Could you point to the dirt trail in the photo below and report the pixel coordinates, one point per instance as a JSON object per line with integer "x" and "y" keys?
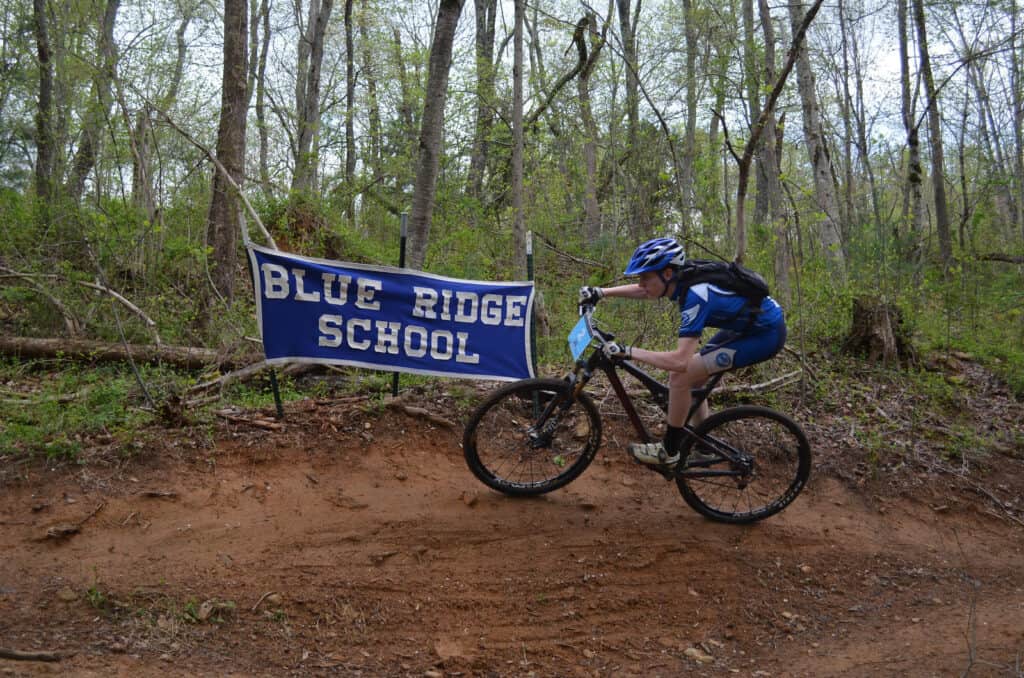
{"x": 370, "y": 549}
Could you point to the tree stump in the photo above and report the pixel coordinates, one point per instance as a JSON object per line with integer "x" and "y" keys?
{"x": 879, "y": 332}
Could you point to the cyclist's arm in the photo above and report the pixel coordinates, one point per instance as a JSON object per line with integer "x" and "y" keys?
{"x": 673, "y": 361}
{"x": 631, "y": 291}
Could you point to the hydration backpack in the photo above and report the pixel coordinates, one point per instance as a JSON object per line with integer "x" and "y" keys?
{"x": 728, "y": 275}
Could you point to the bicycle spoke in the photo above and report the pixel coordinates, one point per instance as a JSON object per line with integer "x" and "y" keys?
{"x": 512, "y": 452}
{"x": 771, "y": 463}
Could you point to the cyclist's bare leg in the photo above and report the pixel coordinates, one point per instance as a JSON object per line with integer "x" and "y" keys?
{"x": 686, "y": 369}
{"x": 701, "y": 414}
{"x": 679, "y": 396}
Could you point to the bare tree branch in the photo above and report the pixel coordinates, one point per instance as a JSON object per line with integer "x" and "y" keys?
{"x": 150, "y": 323}
{"x": 71, "y": 323}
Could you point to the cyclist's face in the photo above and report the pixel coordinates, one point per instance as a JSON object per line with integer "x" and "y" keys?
{"x": 652, "y": 283}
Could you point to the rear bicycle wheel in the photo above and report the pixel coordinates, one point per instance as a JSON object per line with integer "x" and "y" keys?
{"x": 532, "y": 437}
{"x": 771, "y": 461}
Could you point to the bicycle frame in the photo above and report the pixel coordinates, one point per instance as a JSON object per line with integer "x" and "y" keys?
{"x": 596, "y": 360}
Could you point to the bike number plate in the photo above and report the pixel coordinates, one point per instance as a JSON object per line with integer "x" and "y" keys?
{"x": 579, "y": 338}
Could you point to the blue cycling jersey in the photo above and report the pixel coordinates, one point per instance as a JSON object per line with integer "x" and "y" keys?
{"x": 707, "y": 305}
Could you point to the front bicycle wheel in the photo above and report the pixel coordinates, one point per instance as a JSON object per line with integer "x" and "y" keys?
{"x": 750, "y": 463}
{"x": 532, "y": 437}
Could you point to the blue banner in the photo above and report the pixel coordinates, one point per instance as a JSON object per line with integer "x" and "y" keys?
{"x": 395, "y": 319}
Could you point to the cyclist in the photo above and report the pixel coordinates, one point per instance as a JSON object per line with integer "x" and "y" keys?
{"x": 746, "y": 336}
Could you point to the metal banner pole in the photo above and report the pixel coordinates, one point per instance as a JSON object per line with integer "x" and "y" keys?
{"x": 533, "y": 324}
{"x": 401, "y": 264}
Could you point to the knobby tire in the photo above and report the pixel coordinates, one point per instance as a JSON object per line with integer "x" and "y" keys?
{"x": 531, "y": 437}
{"x": 779, "y": 465}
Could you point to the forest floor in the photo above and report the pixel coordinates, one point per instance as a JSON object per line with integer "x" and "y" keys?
{"x": 354, "y": 541}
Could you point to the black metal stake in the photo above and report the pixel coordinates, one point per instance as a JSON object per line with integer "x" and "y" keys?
{"x": 533, "y": 319}
{"x": 401, "y": 264}
{"x": 533, "y": 323}
{"x": 277, "y": 394}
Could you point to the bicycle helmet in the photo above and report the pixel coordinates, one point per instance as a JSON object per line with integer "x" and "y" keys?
{"x": 654, "y": 255}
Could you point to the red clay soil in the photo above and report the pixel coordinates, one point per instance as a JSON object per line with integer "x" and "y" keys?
{"x": 357, "y": 543}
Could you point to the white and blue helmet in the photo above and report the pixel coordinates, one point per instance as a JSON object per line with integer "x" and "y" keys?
{"x": 655, "y": 255}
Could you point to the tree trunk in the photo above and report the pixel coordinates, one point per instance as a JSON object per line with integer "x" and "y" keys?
{"x": 690, "y": 137}
{"x": 518, "y": 220}
{"x": 829, "y": 230}
{"x": 142, "y": 181}
{"x": 307, "y": 103}
{"x": 551, "y": 93}
{"x": 302, "y": 51}
{"x": 719, "y": 164}
{"x": 261, "y": 100}
{"x": 860, "y": 118}
{"x": 538, "y": 74}
{"x": 1017, "y": 103}
{"x": 627, "y": 24}
{"x": 408, "y": 136}
{"x": 878, "y": 331}
{"x": 142, "y": 176}
{"x": 753, "y": 82}
{"x": 942, "y": 224}
{"x": 486, "y": 11}
{"x": 769, "y": 163}
{"x": 637, "y": 201}
{"x": 223, "y": 221}
{"x": 757, "y": 129}
{"x": 45, "y": 141}
{"x": 1005, "y": 198}
{"x": 432, "y": 131}
{"x": 965, "y": 197}
{"x": 374, "y": 157}
{"x": 591, "y": 206}
{"x": 913, "y": 204}
{"x": 846, "y": 107}
{"x": 350, "y": 117}
{"x": 95, "y": 118}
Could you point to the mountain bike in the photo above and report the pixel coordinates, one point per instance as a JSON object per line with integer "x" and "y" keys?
{"x": 537, "y": 435}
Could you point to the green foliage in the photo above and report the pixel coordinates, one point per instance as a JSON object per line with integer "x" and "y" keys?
{"x": 169, "y": 612}
{"x": 96, "y": 597}
{"x": 17, "y": 216}
{"x": 63, "y": 407}
{"x": 259, "y": 393}
{"x": 190, "y": 611}
{"x": 464, "y": 244}
{"x": 978, "y": 310}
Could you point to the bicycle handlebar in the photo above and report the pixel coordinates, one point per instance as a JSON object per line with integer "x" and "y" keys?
{"x": 587, "y": 313}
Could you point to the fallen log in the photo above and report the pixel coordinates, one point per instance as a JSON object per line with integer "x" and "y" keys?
{"x": 763, "y": 387}
{"x": 419, "y": 413}
{"x": 999, "y": 256}
{"x": 244, "y": 374}
{"x": 258, "y": 422}
{"x": 188, "y": 357}
{"x": 19, "y": 655}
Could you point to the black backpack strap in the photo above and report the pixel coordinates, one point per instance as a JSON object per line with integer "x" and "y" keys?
{"x": 753, "y": 311}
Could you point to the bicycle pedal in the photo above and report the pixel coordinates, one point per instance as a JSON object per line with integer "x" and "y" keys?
{"x": 665, "y": 471}
{"x": 700, "y": 459}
